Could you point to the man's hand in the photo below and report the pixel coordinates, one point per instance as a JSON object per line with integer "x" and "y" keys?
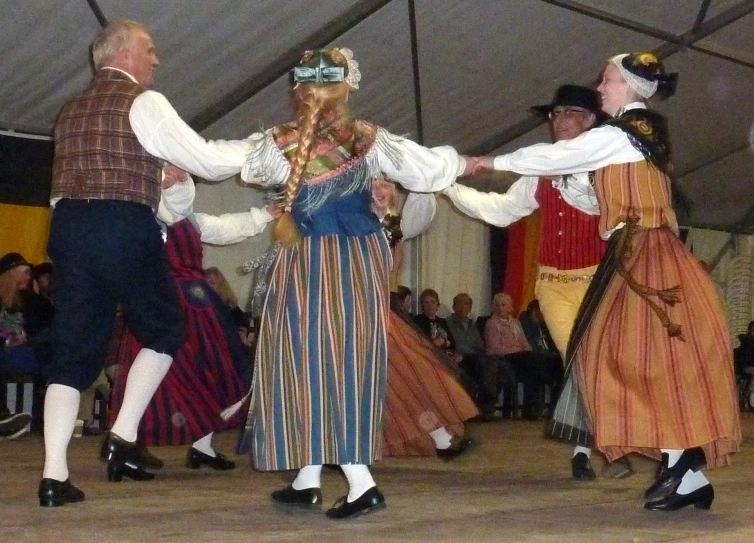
{"x": 172, "y": 175}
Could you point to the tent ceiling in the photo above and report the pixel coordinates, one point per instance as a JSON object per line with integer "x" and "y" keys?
{"x": 481, "y": 64}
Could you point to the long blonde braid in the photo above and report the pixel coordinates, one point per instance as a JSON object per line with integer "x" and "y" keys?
{"x": 311, "y": 99}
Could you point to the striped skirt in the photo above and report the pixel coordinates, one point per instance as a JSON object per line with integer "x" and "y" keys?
{"x": 210, "y": 372}
{"x": 640, "y": 389}
{"x": 322, "y": 354}
{"x": 424, "y": 393}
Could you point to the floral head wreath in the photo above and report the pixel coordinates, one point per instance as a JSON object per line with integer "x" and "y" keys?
{"x": 322, "y": 66}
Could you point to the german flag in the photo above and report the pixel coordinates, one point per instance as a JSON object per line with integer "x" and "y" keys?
{"x": 513, "y": 262}
{"x": 25, "y": 181}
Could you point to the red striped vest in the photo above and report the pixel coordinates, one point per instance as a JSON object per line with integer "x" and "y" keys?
{"x": 569, "y": 238}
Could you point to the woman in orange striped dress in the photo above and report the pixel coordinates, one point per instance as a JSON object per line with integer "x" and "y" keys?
{"x": 425, "y": 402}
{"x": 650, "y": 363}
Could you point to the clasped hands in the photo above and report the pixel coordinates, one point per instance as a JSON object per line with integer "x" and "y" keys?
{"x": 476, "y": 164}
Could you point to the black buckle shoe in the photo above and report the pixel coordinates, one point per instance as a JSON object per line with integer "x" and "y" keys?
{"x": 118, "y": 449}
{"x": 669, "y": 478}
{"x": 307, "y": 498}
{"x": 195, "y": 459}
{"x": 701, "y": 498}
{"x": 581, "y": 468}
{"x": 116, "y": 470}
{"x": 54, "y": 493}
{"x": 370, "y": 501}
{"x": 458, "y": 446}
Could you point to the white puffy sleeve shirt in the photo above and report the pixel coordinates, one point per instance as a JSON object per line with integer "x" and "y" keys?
{"x": 177, "y": 202}
{"x": 417, "y": 168}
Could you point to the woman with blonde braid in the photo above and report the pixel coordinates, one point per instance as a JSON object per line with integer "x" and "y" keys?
{"x": 322, "y": 351}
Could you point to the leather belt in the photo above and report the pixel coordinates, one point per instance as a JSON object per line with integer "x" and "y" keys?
{"x": 565, "y": 278}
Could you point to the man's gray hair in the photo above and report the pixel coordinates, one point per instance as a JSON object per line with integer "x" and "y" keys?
{"x": 112, "y": 38}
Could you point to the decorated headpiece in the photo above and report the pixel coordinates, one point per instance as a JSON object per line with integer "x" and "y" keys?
{"x": 326, "y": 66}
{"x": 645, "y": 74}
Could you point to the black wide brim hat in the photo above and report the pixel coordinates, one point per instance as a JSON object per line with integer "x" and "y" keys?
{"x": 574, "y": 96}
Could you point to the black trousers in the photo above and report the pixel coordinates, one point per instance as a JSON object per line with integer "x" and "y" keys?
{"x": 106, "y": 253}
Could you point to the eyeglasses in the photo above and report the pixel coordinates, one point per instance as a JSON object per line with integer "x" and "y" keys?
{"x": 567, "y": 112}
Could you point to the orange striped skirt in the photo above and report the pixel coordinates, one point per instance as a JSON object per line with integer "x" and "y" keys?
{"x": 423, "y": 393}
{"x": 643, "y": 390}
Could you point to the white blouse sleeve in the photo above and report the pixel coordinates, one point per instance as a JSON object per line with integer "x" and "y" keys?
{"x": 417, "y": 168}
{"x": 591, "y": 150}
{"x": 163, "y": 133}
{"x": 494, "y": 208}
{"x": 265, "y": 164}
{"x": 417, "y": 214}
{"x": 177, "y": 202}
{"x": 231, "y": 227}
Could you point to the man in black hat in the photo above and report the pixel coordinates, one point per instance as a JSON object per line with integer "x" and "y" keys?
{"x": 570, "y": 247}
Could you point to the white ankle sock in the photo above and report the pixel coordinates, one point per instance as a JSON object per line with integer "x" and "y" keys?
{"x": 692, "y": 481}
{"x": 673, "y": 455}
{"x": 205, "y": 445}
{"x": 146, "y": 374}
{"x": 579, "y": 449}
{"x": 60, "y": 411}
{"x": 359, "y": 480}
{"x": 441, "y": 437}
{"x": 308, "y": 477}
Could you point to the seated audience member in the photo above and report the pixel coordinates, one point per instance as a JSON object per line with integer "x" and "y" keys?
{"x": 220, "y": 285}
{"x": 506, "y": 342}
{"x": 743, "y": 356}
{"x": 538, "y": 336}
{"x": 436, "y": 328}
{"x": 470, "y": 346}
{"x": 16, "y": 355}
{"x": 405, "y": 298}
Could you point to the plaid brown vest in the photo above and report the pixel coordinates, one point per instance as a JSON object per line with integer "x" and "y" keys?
{"x": 97, "y": 154}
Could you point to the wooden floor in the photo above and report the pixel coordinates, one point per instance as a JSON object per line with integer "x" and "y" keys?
{"x": 513, "y": 486}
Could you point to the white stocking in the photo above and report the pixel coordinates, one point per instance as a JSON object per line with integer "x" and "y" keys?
{"x": 359, "y": 480}
{"x": 61, "y": 408}
{"x": 308, "y": 477}
{"x": 146, "y": 374}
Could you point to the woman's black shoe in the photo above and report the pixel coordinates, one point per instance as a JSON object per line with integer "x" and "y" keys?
{"x": 54, "y": 493}
{"x": 458, "y": 446}
{"x": 701, "y": 498}
{"x": 309, "y": 497}
{"x": 116, "y": 470}
{"x": 669, "y": 478}
{"x": 370, "y": 501}
{"x": 581, "y": 468}
{"x": 116, "y": 448}
{"x": 195, "y": 459}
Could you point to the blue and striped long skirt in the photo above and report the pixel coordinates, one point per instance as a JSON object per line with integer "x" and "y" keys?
{"x": 322, "y": 354}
